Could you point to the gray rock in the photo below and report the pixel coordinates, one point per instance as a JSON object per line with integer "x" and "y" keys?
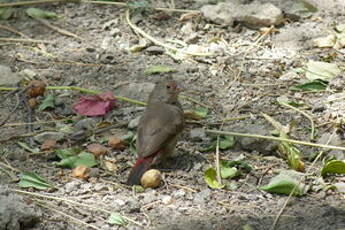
{"x": 155, "y": 50}
{"x": 138, "y": 91}
{"x": 255, "y": 14}
{"x": 15, "y": 214}
{"x": 57, "y": 136}
{"x": 197, "y": 134}
{"x": 134, "y": 123}
{"x": 28, "y": 73}
{"x": 8, "y": 78}
{"x": 72, "y": 186}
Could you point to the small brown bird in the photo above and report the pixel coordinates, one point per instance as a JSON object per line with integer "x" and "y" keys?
{"x": 158, "y": 129}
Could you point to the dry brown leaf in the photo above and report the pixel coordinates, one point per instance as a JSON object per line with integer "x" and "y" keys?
{"x": 97, "y": 149}
{"x": 116, "y": 143}
{"x": 110, "y": 166}
{"x": 81, "y": 172}
{"x": 48, "y": 145}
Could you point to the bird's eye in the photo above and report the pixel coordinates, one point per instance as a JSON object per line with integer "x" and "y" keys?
{"x": 168, "y": 87}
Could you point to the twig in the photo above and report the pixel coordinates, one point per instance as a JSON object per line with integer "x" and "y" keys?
{"x": 155, "y": 41}
{"x": 219, "y": 178}
{"x": 154, "y": 8}
{"x": 312, "y": 126}
{"x": 14, "y": 31}
{"x": 73, "y": 202}
{"x": 33, "y": 123}
{"x": 25, "y": 40}
{"x": 275, "y": 139}
{"x": 25, "y": 3}
{"x": 195, "y": 101}
{"x": 57, "y": 29}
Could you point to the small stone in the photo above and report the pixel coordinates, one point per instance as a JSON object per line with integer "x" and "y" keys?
{"x": 28, "y": 73}
{"x": 99, "y": 186}
{"x": 167, "y": 200}
{"x": 197, "y": 134}
{"x": 56, "y": 136}
{"x": 179, "y": 193}
{"x": 134, "y": 123}
{"x": 151, "y": 178}
{"x": 155, "y": 50}
{"x": 71, "y": 186}
{"x": 8, "y": 78}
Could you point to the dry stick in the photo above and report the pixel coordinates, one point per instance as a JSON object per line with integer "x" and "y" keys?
{"x": 154, "y": 8}
{"x": 73, "y": 202}
{"x": 55, "y": 209}
{"x": 300, "y": 181}
{"x": 312, "y": 126}
{"x": 155, "y": 41}
{"x": 24, "y": 40}
{"x": 14, "y": 31}
{"x": 34, "y": 123}
{"x": 33, "y": 2}
{"x": 219, "y": 178}
{"x": 275, "y": 139}
{"x": 83, "y": 90}
{"x": 14, "y": 109}
{"x": 57, "y": 29}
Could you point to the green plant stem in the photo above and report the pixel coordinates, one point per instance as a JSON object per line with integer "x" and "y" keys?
{"x": 275, "y": 139}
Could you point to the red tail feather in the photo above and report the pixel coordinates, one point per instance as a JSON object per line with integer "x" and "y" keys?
{"x": 140, "y": 167}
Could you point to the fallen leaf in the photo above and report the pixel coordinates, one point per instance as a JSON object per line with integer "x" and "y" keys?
{"x": 210, "y": 177}
{"x": 48, "y": 145}
{"x": 47, "y": 103}
{"x": 97, "y": 149}
{"x": 31, "y": 179}
{"x": 116, "y": 218}
{"x": 83, "y": 158}
{"x": 116, "y": 143}
{"x": 81, "y": 172}
{"x": 38, "y": 13}
{"x": 95, "y": 105}
{"x": 333, "y": 167}
{"x": 110, "y": 166}
{"x": 321, "y": 70}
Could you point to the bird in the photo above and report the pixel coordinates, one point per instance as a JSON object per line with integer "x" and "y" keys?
{"x": 158, "y": 129}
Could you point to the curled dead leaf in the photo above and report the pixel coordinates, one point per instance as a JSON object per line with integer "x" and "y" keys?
{"x": 32, "y": 102}
{"x": 110, "y": 166}
{"x": 36, "y": 88}
{"x": 81, "y": 172}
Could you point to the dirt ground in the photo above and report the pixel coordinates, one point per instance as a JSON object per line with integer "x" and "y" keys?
{"x": 243, "y": 79}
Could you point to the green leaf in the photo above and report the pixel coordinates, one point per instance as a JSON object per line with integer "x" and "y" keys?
{"x": 116, "y": 218}
{"x": 30, "y": 179}
{"x": 285, "y": 182}
{"x": 158, "y": 69}
{"x": 292, "y": 155}
{"x": 226, "y": 171}
{"x": 48, "y": 102}
{"x": 316, "y": 85}
{"x": 321, "y": 70}
{"x": 83, "y": 158}
{"x": 38, "y": 13}
{"x": 226, "y": 142}
{"x": 333, "y": 167}
{"x": 66, "y": 153}
{"x": 201, "y": 112}
{"x": 210, "y": 178}
{"x": 28, "y": 148}
{"x": 6, "y": 13}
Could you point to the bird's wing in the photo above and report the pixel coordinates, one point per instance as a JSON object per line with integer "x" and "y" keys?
{"x": 159, "y": 125}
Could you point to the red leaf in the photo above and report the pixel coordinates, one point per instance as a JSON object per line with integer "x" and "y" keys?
{"x": 96, "y": 105}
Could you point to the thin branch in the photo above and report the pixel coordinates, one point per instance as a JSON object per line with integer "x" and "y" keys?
{"x": 276, "y": 139}
{"x": 14, "y": 31}
{"x": 26, "y": 3}
{"x": 24, "y": 40}
{"x": 59, "y": 30}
